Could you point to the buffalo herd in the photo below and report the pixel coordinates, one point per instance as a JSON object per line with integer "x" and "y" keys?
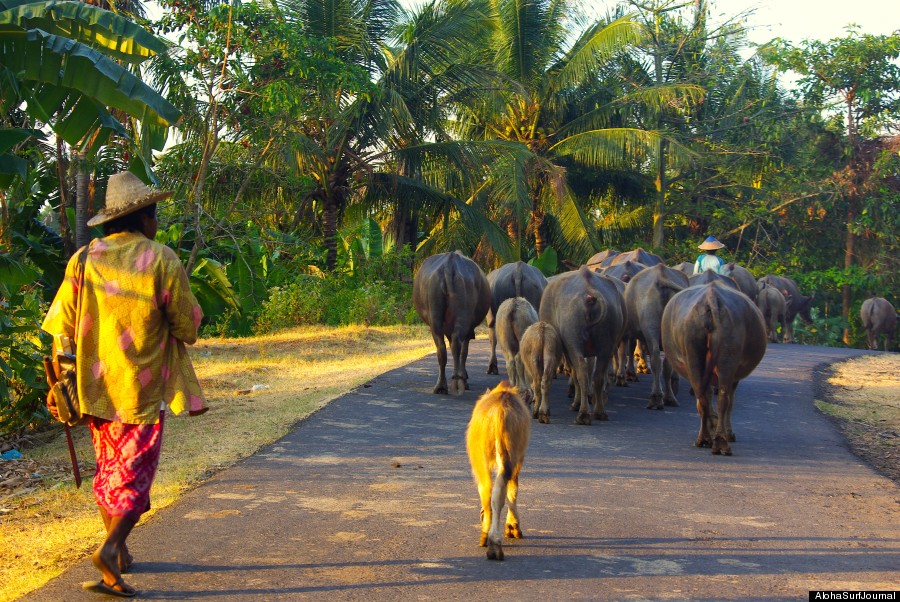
{"x": 590, "y": 324}
{"x": 710, "y": 329}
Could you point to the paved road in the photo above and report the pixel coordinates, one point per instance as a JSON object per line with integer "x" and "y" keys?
{"x": 371, "y": 499}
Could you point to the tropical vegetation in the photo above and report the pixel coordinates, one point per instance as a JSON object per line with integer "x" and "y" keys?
{"x": 319, "y": 150}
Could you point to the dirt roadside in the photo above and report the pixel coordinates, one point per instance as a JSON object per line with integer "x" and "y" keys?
{"x": 862, "y": 396}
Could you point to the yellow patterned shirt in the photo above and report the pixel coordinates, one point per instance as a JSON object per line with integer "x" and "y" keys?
{"x": 137, "y": 314}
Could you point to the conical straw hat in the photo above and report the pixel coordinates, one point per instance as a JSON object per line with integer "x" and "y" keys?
{"x": 125, "y": 194}
{"x": 710, "y": 243}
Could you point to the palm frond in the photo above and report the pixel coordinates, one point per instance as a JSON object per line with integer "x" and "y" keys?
{"x": 598, "y": 44}
{"x": 578, "y": 236}
{"x": 617, "y": 147}
{"x": 529, "y": 34}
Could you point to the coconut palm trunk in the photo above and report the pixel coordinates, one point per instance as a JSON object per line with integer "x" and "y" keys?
{"x": 329, "y": 231}
{"x": 82, "y": 204}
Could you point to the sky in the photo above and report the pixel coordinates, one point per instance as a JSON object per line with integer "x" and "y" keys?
{"x": 796, "y": 20}
{"x": 793, "y": 20}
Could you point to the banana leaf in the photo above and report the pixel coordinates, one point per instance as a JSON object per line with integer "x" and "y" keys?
{"x": 116, "y": 35}
{"x": 63, "y": 62}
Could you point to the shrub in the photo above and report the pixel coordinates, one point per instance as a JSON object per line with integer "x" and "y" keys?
{"x": 376, "y": 295}
{"x": 293, "y": 304}
{"x": 23, "y": 385}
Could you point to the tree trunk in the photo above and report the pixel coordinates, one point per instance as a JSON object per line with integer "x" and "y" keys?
{"x": 659, "y": 211}
{"x": 209, "y": 149}
{"x": 406, "y": 220}
{"x": 849, "y": 253}
{"x": 329, "y": 230}
{"x": 852, "y": 210}
{"x": 403, "y": 227}
{"x": 82, "y": 179}
{"x": 62, "y": 168}
{"x": 5, "y": 246}
{"x": 540, "y": 243}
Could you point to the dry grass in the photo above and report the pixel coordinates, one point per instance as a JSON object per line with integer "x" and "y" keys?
{"x": 295, "y": 373}
{"x": 864, "y": 399}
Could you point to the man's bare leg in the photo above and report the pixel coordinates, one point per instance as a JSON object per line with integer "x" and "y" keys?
{"x": 125, "y": 558}
{"x": 107, "y": 556}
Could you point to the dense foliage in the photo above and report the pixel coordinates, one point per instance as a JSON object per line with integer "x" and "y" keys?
{"x": 321, "y": 149}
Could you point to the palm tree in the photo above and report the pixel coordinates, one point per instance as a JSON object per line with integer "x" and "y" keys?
{"x": 553, "y": 104}
{"x": 375, "y": 136}
{"x": 426, "y": 178}
{"x": 679, "y": 49}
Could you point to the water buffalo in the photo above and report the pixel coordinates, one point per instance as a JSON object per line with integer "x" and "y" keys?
{"x": 639, "y": 255}
{"x": 745, "y": 281}
{"x": 685, "y": 267}
{"x": 714, "y": 336}
{"x": 773, "y": 305}
{"x": 597, "y": 260}
{"x": 797, "y": 304}
{"x": 510, "y": 280}
{"x": 586, "y": 310}
{"x": 626, "y": 353}
{"x": 711, "y": 276}
{"x": 452, "y": 296}
{"x": 645, "y": 298}
{"x": 513, "y": 319}
{"x": 879, "y": 317}
{"x": 624, "y": 271}
{"x": 541, "y": 352}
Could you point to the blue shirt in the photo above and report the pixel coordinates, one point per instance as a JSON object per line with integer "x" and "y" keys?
{"x": 707, "y": 261}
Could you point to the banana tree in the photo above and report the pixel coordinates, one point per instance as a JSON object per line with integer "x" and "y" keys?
{"x": 69, "y": 65}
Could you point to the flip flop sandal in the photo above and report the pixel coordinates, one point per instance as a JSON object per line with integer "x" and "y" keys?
{"x": 100, "y": 587}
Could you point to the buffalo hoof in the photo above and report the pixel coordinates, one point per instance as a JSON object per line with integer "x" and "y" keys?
{"x": 495, "y": 551}
{"x": 631, "y": 377}
{"x": 671, "y": 402}
{"x": 654, "y": 405}
{"x": 702, "y": 443}
{"x": 492, "y": 369}
{"x": 440, "y": 389}
{"x": 601, "y": 416}
{"x": 621, "y": 382}
{"x": 583, "y": 418}
{"x": 721, "y": 447}
{"x": 544, "y": 418}
{"x": 513, "y": 531}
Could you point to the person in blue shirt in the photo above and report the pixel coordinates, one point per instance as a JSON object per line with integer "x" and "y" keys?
{"x": 709, "y": 260}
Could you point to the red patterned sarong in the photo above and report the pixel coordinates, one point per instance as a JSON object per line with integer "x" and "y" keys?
{"x": 127, "y": 457}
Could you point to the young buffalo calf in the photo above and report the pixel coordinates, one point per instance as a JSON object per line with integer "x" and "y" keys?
{"x": 496, "y": 440}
